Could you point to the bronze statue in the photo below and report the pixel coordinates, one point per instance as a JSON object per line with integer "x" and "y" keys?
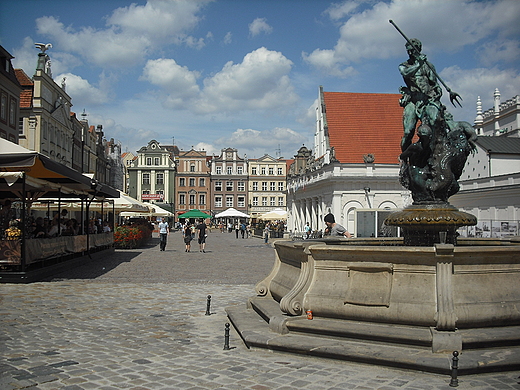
{"x": 431, "y": 166}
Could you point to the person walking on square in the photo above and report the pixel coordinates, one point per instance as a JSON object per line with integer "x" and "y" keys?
{"x": 335, "y": 229}
{"x": 266, "y": 234}
{"x": 164, "y": 231}
{"x": 307, "y": 231}
{"x": 237, "y": 228}
{"x": 243, "y": 229}
{"x": 187, "y": 236}
{"x": 202, "y": 234}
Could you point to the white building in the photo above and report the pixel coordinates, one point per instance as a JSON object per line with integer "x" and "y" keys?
{"x": 354, "y": 171}
{"x": 490, "y": 182}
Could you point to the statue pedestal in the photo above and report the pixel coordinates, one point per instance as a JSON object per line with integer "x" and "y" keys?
{"x": 430, "y": 223}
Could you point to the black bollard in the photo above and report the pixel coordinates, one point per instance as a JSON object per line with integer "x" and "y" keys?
{"x": 454, "y": 367}
{"x": 208, "y": 305}
{"x": 226, "y": 337}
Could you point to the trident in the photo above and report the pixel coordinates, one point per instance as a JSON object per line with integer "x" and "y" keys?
{"x": 454, "y": 96}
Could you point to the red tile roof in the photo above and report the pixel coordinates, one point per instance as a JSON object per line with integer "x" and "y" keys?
{"x": 364, "y": 123}
{"x": 27, "y": 84}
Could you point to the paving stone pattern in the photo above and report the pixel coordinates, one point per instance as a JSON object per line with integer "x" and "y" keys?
{"x": 137, "y": 320}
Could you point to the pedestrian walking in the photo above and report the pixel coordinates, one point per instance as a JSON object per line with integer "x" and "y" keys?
{"x": 186, "y": 234}
{"x": 164, "y": 231}
{"x": 266, "y": 234}
{"x": 202, "y": 234}
{"x": 237, "y": 228}
{"x": 307, "y": 231}
{"x": 243, "y": 229}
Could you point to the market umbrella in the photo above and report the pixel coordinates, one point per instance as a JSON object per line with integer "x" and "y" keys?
{"x": 231, "y": 212}
{"x": 195, "y": 213}
{"x": 274, "y": 214}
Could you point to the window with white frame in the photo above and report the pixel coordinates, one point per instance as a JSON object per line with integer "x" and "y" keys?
{"x": 229, "y": 186}
{"x": 262, "y": 170}
{"x": 182, "y": 182}
{"x": 156, "y": 161}
{"x": 280, "y": 171}
{"x": 229, "y": 170}
{"x": 240, "y": 170}
{"x": 255, "y": 200}
{"x": 229, "y": 201}
{"x": 264, "y": 200}
{"x": 272, "y": 186}
{"x": 218, "y": 186}
{"x": 271, "y": 171}
{"x": 218, "y": 170}
{"x": 280, "y": 186}
{"x": 192, "y": 182}
{"x": 192, "y": 200}
{"x": 182, "y": 199}
{"x": 202, "y": 198}
{"x": 218, "y": 201}
{"x": 264, "y": 186}
{"x": 146, "y": 178}
{"x": 192, "y": 168}
{"x": 272, "y": 201}
{"x": 241, "y": 186}
{"x": 159, "y": 178}
{"x": 253, "y": 171}
{"x": 202, "y": 182}
{"x": 241, "y": 201}
{"x": 148, "y": 161}
{"x": 255, "y": 186}
{"x": 280, "y": 201}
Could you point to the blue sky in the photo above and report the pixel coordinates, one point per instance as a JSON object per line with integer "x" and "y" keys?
{"x": 246, "y": 73}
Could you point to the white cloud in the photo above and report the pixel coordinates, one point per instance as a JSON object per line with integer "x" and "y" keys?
{"x": 131, "y": 33}
{"x": 258, "y": 26}
{"x": 506, "y": 51}
{"x": 260, "y": 81}
{"x": 339, "y": 10}
{"x": 82, "y": 90}
{"x": 228, "y": 38}
{"x": 442, "y": 25}
{"x": 479, "y": 82}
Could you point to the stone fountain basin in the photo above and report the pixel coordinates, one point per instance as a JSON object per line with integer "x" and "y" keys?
{"x": 472, "y": 285}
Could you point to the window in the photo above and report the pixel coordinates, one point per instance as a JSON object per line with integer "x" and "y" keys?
{"x": 192, "y": 182}
{"x": 219, "y": 170}
{"x": 192, "y": 199}
{"x": 202, "y": 182}
{"x": 263, "y": 170}
{"x": 264, "y": 186}
{"x": 271, "y": 171}
{"x": 280, "y": 171}
{"x": 156, "y": 161}
{"x": 160, "y": 192}
{"x": 182, "y": 182}
{"x": 229, "y": 170}
{"x": 159, "y": 178}
{"x": 255, "y": 200}
{"x": 229, "y": 186}
{"x": 202, "y": 198}
{"x": 241, "y": 186}
{"x": 272, "y": 186}
{"x": 218, "y": 201}
{"x": 272, "y": 201}
{"x": 253, "y": 171}
{"x": 182, "y": 199}
{"x": 255, "y": 186}
{"x": 146, "y": 178}
{"x": 192, "y": 168}
{"x": 12, "y": 112}
{"x": 3, "y": 107}
{"x": 264, "y": 200}
{"x": 148, "y": 161}
{"x": 240, "y": 170}
{"x": 218, "y": 186}
{"x": 280, "y": 201}
{"x": 229, "y": 201}
{"x": 241, "y": 201}
{"x": 280, "y": 186}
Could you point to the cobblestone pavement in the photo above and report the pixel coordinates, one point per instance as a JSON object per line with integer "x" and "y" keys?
{"x": 137, "y": 320}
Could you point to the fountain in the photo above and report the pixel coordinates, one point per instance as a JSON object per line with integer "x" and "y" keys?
{"x": 409, "y": 301}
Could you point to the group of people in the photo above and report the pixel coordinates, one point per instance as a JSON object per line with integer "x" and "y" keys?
{"x": 189, "y": 232}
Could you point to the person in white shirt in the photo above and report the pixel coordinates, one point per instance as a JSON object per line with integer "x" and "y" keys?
{"x": 163, "y": 233}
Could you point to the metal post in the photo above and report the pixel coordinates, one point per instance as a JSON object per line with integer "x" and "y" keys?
{"x": 226, "y": 337}
{"x": 208, "y": 305}
{"x": 454, "y": 367}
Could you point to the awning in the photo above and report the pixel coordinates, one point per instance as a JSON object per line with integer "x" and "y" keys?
{"x": 232, "y": 213}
